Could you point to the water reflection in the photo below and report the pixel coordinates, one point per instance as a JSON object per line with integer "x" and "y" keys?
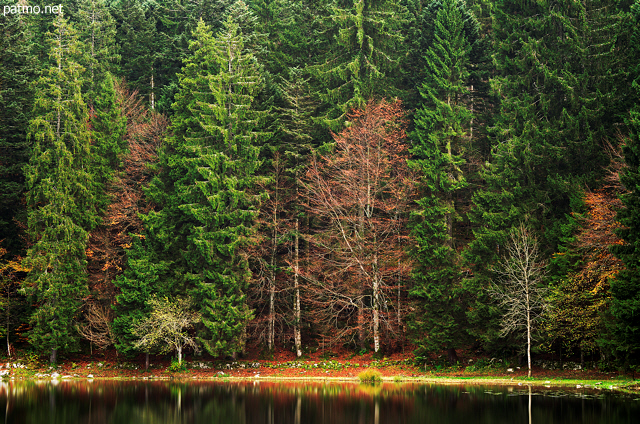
{"x": 175, "y": 402}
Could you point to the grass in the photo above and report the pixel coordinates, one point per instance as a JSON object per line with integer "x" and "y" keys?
{"x": 370, "y": 376}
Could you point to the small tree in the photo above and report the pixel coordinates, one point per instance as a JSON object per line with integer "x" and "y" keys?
{"x": 519, "y": 292}
{"x": 166, "y": 327}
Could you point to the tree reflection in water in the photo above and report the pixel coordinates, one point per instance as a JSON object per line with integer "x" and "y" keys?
{"x": 176, "y": 402}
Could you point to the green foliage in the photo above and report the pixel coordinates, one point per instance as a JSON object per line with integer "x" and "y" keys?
{"x": 365, "y": 43}
{"x": 624, "y": 326}
{"x": 18, "y": 70}
{"x": 61, "y": 196}
{"x": 552, "y": 120}
{"x": 439, "y": 144}
{"x": 177, "y": 366}
{"x": 167, "y": 327}
{"x": 370, "y": 376}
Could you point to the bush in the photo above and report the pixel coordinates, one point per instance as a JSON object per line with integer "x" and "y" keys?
{"x": 370, "y": 376}
{"x": 177, "y": 366}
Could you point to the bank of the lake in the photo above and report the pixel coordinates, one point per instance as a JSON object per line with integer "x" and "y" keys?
{"x": 311, "y": 371}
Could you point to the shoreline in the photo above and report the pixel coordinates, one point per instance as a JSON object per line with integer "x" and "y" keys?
{"x": 617, "y": 384}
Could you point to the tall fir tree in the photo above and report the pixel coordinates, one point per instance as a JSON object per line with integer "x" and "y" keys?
{"x": 61, "y": 197}
{"x": 97, "y": 31}
{"x": 623, "y": 338}
{"x": 549, "y": 134}
{"x": 205, "y": 192}
{"x": 363, "y": 50}
{"x": 136, "y": 39}
{"x": 18, "y": 70}
{"x": 440, "y": 141}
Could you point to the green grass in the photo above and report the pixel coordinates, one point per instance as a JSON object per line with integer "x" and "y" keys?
{"x": 370, "y": 376}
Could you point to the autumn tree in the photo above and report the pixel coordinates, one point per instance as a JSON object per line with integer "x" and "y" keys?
{"x": 581, "y": 299}
{"x": 359, "y": 195}
{"x": 519, "y": 291}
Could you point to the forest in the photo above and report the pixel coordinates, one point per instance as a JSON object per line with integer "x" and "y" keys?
{"x": 202, "y": 176}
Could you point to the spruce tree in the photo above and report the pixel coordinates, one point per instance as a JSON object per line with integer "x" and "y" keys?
{"x": 136, "y": 38}
{"x": 439, "y": 143}
{"x": 18, "y": 70}
{"x": 108, "y": 130}
{"x": 625, "y": 288}
{"x": 61, "y": 197}
{"x": 205, "y": 192}
{"x": 551, "y": 73}
{"x": 363, "y": 51}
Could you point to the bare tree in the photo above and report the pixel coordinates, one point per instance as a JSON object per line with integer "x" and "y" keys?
{"x": 519, "y": 291}
{"x": 167, "y": 327}
{"x": 358, "y": 195}
{"x": 97, "y": 327}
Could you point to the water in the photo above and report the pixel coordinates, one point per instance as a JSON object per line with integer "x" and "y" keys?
{"x": 157, "y": 402}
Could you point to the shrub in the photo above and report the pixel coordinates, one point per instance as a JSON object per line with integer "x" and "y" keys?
{"x": 370, "y": 376}
{"x": 177, "y": 366}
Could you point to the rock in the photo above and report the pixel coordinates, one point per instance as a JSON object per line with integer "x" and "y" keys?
{"x": 90, "y": 376}
{"x": 509, "y": 369}
{"x": 55, "y": 375}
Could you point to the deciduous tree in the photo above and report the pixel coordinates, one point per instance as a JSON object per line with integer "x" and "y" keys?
{"x": 359, "y": 194}
{"x": 520, "y": 291}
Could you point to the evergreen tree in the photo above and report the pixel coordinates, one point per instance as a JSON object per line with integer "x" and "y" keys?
{"x": 136, "y": 38}
{"x": 18, "y": 70}
{"x": 205, "y": 191}
{"x": 552, "y": 70}
{"x": 60, "y": 198}
{"x": 364, "y": 49}
{"x": 439, "y": 144}
{"x": 108, "y": 130}
{"x": 98, "y": 34}
{"x": 625, "y": 288}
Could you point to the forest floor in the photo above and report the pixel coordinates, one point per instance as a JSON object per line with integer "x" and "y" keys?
{"x": 323, "y": 366}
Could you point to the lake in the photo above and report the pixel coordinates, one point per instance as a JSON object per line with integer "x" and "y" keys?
{"x": 191, "y": 401}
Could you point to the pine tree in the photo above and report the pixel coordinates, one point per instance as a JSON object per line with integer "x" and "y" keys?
{"x": 18, "y": 70}
{"x": 552, "y": 70}
{"x": 439, "y": 144}
{"x": 205, "y": 192}
{"x": 364, "y": 49}
{"x": 61, "y": 197}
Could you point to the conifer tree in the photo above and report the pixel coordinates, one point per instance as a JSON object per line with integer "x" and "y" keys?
{"x": 552, "y": 70}
{"x": 108, "y": 130}
{"x": 98, "y": 34}
{"x": 205, "y": 191}
{"x": 61, "y": 197}
{"x": 439, "y": 144}
{"x": 137, "y": 43}
{"x": 364, "y": 49}
{"x": 18, "y": 70}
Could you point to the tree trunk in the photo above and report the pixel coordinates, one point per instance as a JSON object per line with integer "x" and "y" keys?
{"x": 452, "y": 356}
{"x": 54, "y": 356}
{"x": 179, "y": 355}
{"x": 376, "y": 315}
{"x": 296, "y": 319}
{"x": 528, "y": 335}
{"x": 361, "y": 336}
{"x": 146, "y": 361}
